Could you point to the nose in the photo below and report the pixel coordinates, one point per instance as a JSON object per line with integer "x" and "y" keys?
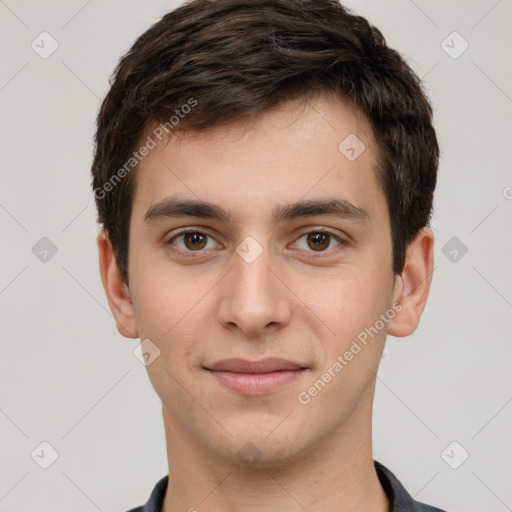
{"x": 253, "y": 298}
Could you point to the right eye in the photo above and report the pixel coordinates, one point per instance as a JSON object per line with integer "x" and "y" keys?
{"x": 191, "y": 240}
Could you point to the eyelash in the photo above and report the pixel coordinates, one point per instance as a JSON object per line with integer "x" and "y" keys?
{"x": 312, "y": 254}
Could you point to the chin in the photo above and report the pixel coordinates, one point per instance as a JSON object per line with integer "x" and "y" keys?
{"x": 254, "y": 447}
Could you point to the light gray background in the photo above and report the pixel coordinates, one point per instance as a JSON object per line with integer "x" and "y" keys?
{"x": 68, "y": 378}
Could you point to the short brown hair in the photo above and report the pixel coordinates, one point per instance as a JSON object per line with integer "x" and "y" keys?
{"x": 237, "y": 58}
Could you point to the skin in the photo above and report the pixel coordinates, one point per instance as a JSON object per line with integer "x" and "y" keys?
{"x": 198, "y": 310}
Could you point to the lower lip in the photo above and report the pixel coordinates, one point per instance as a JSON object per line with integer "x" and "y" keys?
{"x": 256, "y": 383}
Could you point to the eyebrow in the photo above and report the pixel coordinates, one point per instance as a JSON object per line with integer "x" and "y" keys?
{"x": 176, "y": 208}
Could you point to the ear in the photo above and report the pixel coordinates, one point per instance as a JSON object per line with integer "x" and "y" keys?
{"x": 413, "y": 285}
{"x": 118, "y": 294}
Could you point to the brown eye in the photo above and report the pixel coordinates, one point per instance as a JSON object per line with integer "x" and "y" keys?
{"x": 321, "y": 241}
{"x": 192, "y": 241}
{"x": 195, "y": 241}
{"x": 318, "y": 241}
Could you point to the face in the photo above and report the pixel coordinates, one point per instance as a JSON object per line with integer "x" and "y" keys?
{"x": 256, "y": 298}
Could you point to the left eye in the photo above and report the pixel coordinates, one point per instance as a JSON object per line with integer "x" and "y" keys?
{"x": 318, "y": 241}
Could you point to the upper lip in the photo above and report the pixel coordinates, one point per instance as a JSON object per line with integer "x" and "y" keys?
{"x": 268, "y": 365}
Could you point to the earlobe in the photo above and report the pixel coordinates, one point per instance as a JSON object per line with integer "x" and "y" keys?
{"x": 413, "y": 285}
{"x": 116, "y": 290}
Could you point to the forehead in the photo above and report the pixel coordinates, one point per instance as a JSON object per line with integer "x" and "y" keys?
{"x": 303, "y": 149}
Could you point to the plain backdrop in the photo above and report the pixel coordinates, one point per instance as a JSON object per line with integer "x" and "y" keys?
{"x": 68, "y": 378}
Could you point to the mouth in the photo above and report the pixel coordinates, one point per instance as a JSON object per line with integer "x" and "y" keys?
{"x": 254, "y": 378}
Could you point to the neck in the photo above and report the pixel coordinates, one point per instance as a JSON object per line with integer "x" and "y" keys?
{"x": 337, "y": 474}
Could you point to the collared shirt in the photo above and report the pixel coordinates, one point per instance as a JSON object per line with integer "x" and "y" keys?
{"x": 399, "y": 499}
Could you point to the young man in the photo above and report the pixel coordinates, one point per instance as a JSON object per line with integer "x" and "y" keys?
{"x": 264, "y": 174}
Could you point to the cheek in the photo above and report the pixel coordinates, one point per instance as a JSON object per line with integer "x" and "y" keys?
{"x": 174, "y": 309}
{"x": 172, "y": 320}
{"x": 351, "y": 305}
{"x": 347, "y": 299}
{"x": 350, "y": 355}
{"x": 168, "y": 298}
